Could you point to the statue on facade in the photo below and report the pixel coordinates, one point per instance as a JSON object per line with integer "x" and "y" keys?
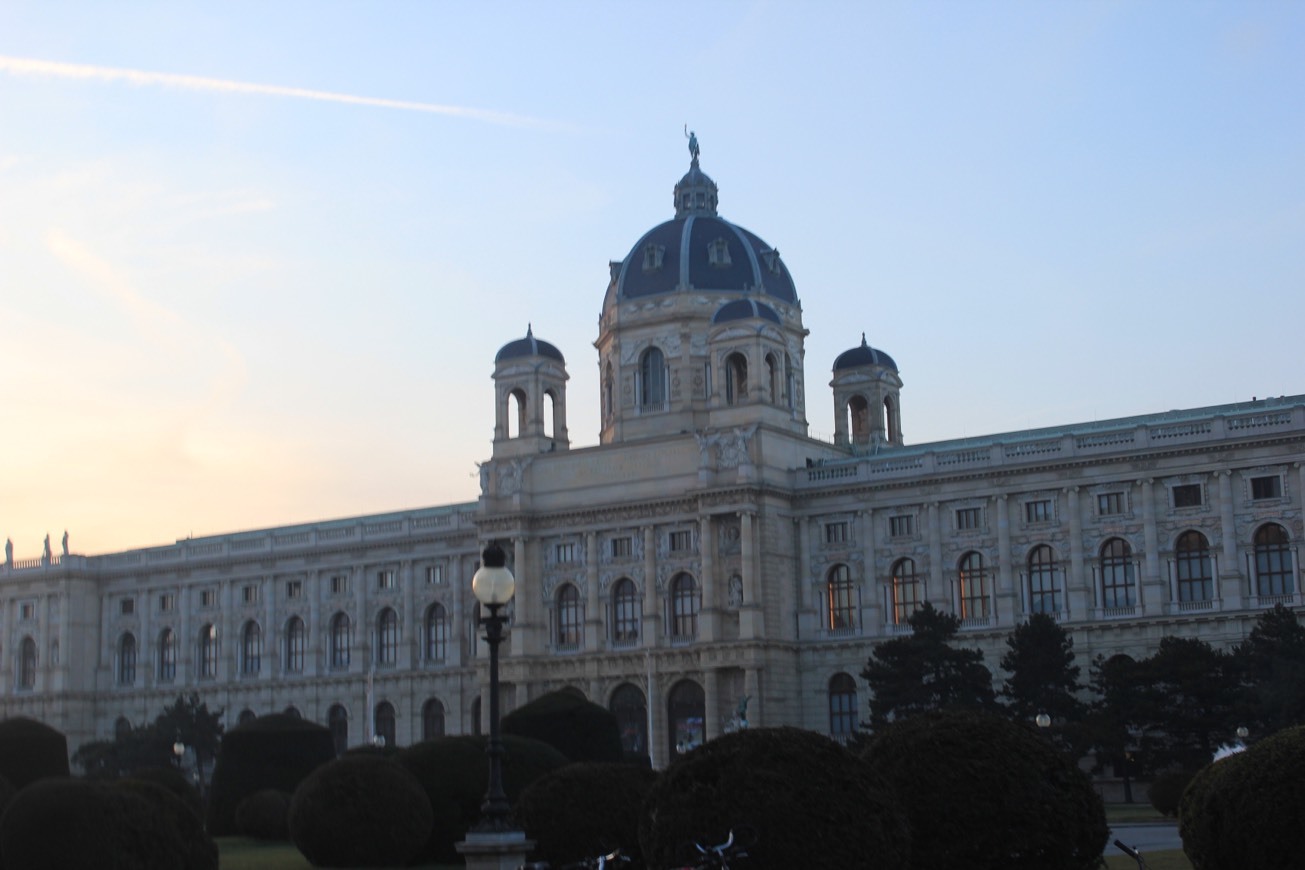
{"x": 65, "y": 542}
{"x": 693, "y": 142}
{"x": 9, "y": 552}
{"x": 736, "y": 592}
{"x": 47, "y": 554}
{"x": 741, "y": 712}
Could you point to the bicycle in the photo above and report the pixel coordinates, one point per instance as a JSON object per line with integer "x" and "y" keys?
{"x": 1132, "y": 852}
{"x": 603, "y": 862}
{"x": 718, "y": 857}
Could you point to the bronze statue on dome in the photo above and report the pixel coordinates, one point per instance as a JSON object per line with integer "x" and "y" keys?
{"x": 693, "y": 142}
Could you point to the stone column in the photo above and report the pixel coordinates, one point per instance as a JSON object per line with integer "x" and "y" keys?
{"x": 752, "y": 688}
{"x": 751, "y": 614}
{"x": 808, "y": 607}
{"x": 1077, "y": 595}
{"x": 1152, "y": 592}
{"x": 871, "y": 615}
{"x": 938, "y": 590}
{"x": 1231, "y": 585}
{"x": 711, "y": 708}
{"x": 711, "y": 600}
{"x": 652, "y": 610}
{"x": 409, "y": 620}
{"x": 593, "y": 607}
{"x": 526, "y": 605}
{"x": 1006, "y": 590}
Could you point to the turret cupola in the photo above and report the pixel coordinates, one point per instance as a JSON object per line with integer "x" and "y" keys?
{"x": 867, "y": 398}
{"x": 529, "y": 398}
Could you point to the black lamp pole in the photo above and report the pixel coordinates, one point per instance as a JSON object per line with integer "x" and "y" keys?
{"x": 493, "y": 587}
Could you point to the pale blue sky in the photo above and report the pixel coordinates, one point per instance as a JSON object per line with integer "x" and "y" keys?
{"x": 227, "y": 306}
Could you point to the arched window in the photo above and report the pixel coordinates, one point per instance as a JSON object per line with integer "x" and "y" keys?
{"x": 246, "y": 716}
{"x": 127, "y": 659}
{"x": 1116, "y": 574}
{"x": 167, "y": 656}
{"x": 1192, "y": 567}
{"x": 685, "y": 602}
{"x": 840, "y": 600}
{"x": 340, "y": 646}
{"x": 385, "y": 724}
{"x": 516, "y": 417}
{"x": 337, "y": 719}
{"x": 121, "y": 729}
{"x": 27, "y": 664}
{"x": 1044, "y": 596}
{"x": 905, "y": 591}
{"x": 626, "y": 612}
{"x": 652, "y": 380}
{"x": 772, "y": 378}
{"x": 609, "y": 393}
{"x": 890, "y": 420}
{"x": 858, "y": 419}
{"x": 432, "y": 719}
{"x": 631, "y": 712}
{"x": 567, "y": 620}
{"x": 842, "y": 707}
{"x": 1273, "y": 567}
{"x": 790, "y": 381}
{"x": 437, "y": 633}
{"x": 736, "y": 378}
{"x": 294, "y": 645}
{"x": 972, "y": 582}
{"x": 293, "y": 712}
{"x": 251, "y": 649}
{"x": 686, "y": 707}
{"x": 387, "y": 637}
{"x": 208, "y": 651}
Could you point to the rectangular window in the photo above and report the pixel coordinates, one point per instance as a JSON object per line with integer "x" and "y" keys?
{"x": 835, "y": 533}
{"x": 622, "y": 548}
{"x": 1188, "y": 495}
{"x": 565, "y": 553}
{"x": 294, "y": 589}
{"x": 1110, "y": 504}
{"x": 901, "y": 526}
{"x": 385, "y": 579}
{"x": 1037, "y": 511}
{"x": 207, "y": 598}
{"x": 339, "y": 584}
{"x": 1266, "y": 487}
{"x": 249, "y": 594}
{"x": 681, "y": 542}
{"x": 167, "y": 602}
{"x": 128, "y": 606}
{"x": 969, "y": 519}
{"x": 27, "y": 611}
{"x": 435, "y": 575}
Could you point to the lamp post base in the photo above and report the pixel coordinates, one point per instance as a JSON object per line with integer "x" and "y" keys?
{"x": 500, "y": 850}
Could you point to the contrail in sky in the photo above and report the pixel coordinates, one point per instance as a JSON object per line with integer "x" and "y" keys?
{"x": 28, "y": 66}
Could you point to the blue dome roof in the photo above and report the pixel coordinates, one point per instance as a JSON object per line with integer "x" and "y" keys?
{"x": 742, "y": 309}
{"x": 865, "y": 355}
{"x": 701, "y": 251}
{"x": 528, "y": 346}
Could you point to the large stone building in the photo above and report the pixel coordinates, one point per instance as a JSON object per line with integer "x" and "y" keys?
{"x": 706, "y": 560}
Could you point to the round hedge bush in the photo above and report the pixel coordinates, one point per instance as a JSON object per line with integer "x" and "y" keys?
{"x": 265, "y": 815}
{"x": 579, "y": 729}
{"x": 809, "y": 801}
{"x": 130, "y": 825}
{"x": 176, "y": 782}
{"x": 1245, "y": 810}
{"x": 31, "y": 750}
{"x": 360, "y": 811}
{"x": 985, "y": 793}
{"x": 454, "y": 773}
{"x": 275, "y": 751}
{"x": 1166, "y": 790}
{"x": 586, "y": 809}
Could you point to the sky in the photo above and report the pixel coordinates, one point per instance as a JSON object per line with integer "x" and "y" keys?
{"x": 256, "y": 258}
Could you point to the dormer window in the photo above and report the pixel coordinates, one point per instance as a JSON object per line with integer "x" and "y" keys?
{"x": 771, "y": 259}
{"x": 652, "y": 257}
{"x": 718, "y": 253}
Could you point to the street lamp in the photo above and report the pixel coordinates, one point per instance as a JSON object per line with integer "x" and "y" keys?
{"x": 1243, "y": 732}
{"x": 493, "y": 586}
{"x": 178, "y": 750}
{"x": 1043, "y": 721}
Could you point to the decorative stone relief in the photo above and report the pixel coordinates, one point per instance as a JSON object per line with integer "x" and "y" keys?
{"x": 510, "y": 474}
{"x": 729, "y": 537}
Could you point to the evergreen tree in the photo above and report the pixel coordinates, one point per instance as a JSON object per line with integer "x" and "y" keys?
{"x": 923, "y": 671}
{"x": 190, "y": 721}
{"x": 1044, "y": 679}
{"x": 1271, "y": 664}
{"x": 1111, "y": 725}
{"x": 1186, "y": 704}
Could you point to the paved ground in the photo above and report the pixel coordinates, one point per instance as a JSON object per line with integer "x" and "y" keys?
{"x": 1149, "y": 837}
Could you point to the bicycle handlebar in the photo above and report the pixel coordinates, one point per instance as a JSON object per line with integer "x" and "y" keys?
{"x": 1127, "y": 850}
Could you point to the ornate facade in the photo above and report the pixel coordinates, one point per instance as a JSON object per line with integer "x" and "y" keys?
{"x": 706, "y": 563}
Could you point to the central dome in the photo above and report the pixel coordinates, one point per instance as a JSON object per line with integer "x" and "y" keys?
{"x": 700, "y": 251}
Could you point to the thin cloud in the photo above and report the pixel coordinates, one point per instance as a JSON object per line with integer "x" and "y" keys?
{"x": 29, "y": 66}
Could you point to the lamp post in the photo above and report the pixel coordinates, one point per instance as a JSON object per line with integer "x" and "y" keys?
{"x": 1043, "y": 721}
{"x": 493, "y": 585}
{"x": 178, "y": 750}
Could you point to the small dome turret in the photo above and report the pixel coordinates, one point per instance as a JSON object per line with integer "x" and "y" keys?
{"x": 864, "y": 355}
{"x": 528, "y": 346}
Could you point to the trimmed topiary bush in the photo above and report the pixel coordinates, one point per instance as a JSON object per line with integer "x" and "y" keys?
{"x": 579, "y": 729}
{"x": 31, "y": 750}
{"x": 176, "y": 782}
{"x": 275, "y": 751}
{"x": 586, "y": 809}
{"x": 985, "y": 793}
{"x": 130, "y": 825}
{"x": 265, "y": 815}
{"x": 1167, "y": 789}
{"x": 809, "y": 801}
{"x": 1245, "y": 810}
{"x": 360, "y": 811}
{"x": 454, "y": 773}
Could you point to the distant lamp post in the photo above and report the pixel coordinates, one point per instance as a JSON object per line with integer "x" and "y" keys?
{"x": 493, "y": 585}
{"x": 178, "y": 750}
{"x": 379, "y": 741}
{"x": 1243, "y": 732}
{"x": 1043, "y": 721}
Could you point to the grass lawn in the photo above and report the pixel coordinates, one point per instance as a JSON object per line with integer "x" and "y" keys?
{"x": 1171, "y": 860}
{"x": 243, "y": 853}
{"x": 1117, "y": 813}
